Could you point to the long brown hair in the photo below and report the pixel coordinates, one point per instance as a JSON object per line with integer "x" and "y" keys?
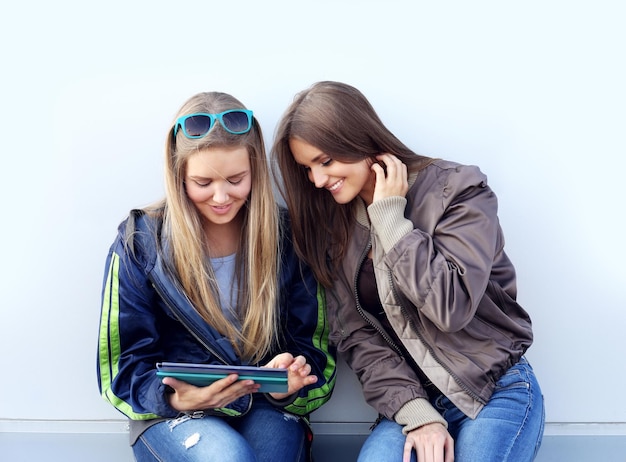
{"x": 337, "y": 119}
{"x": 258, "y": 254}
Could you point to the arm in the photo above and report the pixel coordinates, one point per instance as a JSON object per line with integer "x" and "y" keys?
{"x": 305, "y": 331}
{"x": 136, "y": 332}
{"x": 128, "y": 334}
{"x": 444, "y": 269}
{"x": 389, "y": 383}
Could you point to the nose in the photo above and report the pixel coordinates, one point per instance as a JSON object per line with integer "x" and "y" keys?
{"x": 220, "y": 194}
{"x": 317, "y": 177}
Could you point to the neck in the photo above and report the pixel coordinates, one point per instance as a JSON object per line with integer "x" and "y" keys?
{"x": 223, "y": 239}
{"x": 367, "y": 192}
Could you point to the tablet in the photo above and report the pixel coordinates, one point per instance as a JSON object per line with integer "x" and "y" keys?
{"x": 201, "y": 375}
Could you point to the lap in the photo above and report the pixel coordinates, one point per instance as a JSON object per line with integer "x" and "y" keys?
{"x": 510, "y": 426}
{"x": 384, "y": 444}
{"x": 264, "y": 434}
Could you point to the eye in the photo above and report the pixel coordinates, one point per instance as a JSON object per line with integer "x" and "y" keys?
{"x": 237, "y": 178}
{"x": 327, "y": 162}
{"x": 202, "y": 184}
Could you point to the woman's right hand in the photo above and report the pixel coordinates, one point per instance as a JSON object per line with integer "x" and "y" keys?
{"x": 392, "y": 180}
{"x": 187, "y": 397}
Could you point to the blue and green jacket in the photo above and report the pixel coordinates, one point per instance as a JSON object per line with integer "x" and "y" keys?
{"x": 146, "y": 319}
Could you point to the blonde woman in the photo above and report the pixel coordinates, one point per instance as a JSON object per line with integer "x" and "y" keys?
{"x": 209, "y": 276}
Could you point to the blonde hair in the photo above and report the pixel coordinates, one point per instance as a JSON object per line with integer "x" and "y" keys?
{"x": 258, "y": 254}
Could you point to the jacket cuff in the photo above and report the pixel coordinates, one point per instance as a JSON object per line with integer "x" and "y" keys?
{"x": 388, "y": 221}
{"x": 416, "y": 413}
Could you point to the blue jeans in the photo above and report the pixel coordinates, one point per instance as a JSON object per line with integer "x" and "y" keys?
{"x": 264, "y": 434}
{"x": 508, "y": 428}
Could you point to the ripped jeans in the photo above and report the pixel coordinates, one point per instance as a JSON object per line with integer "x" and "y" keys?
{"x": 265, "y": 433}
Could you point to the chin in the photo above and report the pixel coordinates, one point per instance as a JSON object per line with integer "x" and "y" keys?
{"x": 343, "y": 198}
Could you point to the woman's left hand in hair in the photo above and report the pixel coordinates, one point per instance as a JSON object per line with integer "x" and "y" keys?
{"x": 392, "y": 179}
{"x": 298, "y": 373}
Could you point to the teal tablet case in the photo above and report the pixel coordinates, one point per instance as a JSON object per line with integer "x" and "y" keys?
{"x": 201, "y": 375}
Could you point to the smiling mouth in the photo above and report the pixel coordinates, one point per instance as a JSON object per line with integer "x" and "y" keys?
{"x": 221, "y": 208}
{"x": 335, "y": 186}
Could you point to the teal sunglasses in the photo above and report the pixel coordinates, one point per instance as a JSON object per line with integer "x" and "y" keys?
{"x": 235, "y": 121}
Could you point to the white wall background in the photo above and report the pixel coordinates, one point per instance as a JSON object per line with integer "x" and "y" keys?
{"x": 532, "y": 91}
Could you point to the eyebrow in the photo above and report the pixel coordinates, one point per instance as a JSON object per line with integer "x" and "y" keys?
{"x": 234, "y": 175}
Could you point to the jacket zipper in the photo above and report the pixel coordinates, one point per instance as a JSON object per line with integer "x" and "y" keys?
{"x": 174, "y": 311}
{"x": 359, "y": 308}
{"x": 428, "y": 347}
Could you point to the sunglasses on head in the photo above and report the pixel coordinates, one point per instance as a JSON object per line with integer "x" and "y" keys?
{"x": 235, "y": 121}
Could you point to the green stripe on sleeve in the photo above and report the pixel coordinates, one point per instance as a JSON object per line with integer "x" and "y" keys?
{"x": 318, "y": 396}
{"x": 109, "y": 344}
